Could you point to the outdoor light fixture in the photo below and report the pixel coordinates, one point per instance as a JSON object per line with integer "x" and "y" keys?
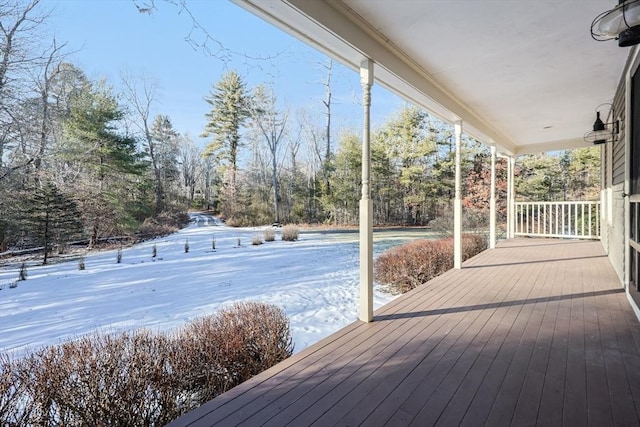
{"x": 621, "y": 23}
{"x": 603, "y": 132}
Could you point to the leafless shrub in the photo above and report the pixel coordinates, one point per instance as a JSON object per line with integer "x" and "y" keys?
{"x": 11, "y": 392}
{"x": 473, "y": 244}
{"x": 290, "y": 233}
{"x": 162, "y": 225}
{"x": 22, "y": 274}
{"x": 140, "y": 378}
{"x": 232, "y": 346}
{"x": 269, "y": 234}
{"x": 405, "y": 267}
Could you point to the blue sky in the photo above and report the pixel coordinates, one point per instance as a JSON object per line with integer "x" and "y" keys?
{"x": 111, "y": 36}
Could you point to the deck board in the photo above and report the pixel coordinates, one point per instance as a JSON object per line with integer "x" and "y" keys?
{"x": 534, "y": 332}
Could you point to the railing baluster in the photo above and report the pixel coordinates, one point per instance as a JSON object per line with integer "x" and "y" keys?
{"x": 575, "y": 219}
{"x": 598, "y": 212}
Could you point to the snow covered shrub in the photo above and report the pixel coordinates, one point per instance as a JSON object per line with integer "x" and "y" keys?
{"x": 14, "y": 284}
{"x": 141, "y": 378}
{"x": 22, "y": 275}
{"x": 405, "y": 267}
{"x": 269, "y": 234}
{"x": 256, "y": 240}
{"x": 290, "y": 233}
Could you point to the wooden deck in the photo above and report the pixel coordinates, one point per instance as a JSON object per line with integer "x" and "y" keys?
{"x": 534, "y": 332}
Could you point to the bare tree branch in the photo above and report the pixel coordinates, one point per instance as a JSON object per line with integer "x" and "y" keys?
{"x": 199, "y": 38}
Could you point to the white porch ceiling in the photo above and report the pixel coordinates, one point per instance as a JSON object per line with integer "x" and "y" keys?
{"x": 524, "y": 75}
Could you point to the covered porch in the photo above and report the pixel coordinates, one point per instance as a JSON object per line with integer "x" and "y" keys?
{"x": 532, "y": 331}
{"x": 535, "y": 331}
{"x": 521, "y": 78}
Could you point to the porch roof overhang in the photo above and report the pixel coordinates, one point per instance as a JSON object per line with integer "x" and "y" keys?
{"x": 525, "y": 76}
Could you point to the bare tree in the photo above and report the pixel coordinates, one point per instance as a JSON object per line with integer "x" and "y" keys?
{"x": 199, "y": 37}
{"x": 271, "y": 124}
{"x": 327, "y": 106}
{"x": 189, "y": 158}
{"x": 50, "y": 70}
{"x": 18, "y": 31}
{"x": 20, "y": 26}
{"x": 141, "y": 93}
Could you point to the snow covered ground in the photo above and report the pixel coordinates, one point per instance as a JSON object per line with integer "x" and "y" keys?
{"x": 315, "y": 280}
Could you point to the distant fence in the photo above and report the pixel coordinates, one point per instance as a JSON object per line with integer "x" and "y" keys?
{"x": 575, "y": 220}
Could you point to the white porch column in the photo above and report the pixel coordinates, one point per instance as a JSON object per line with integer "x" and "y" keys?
{"x": 457, "y": 203}
{"x": 366, "y": 204}
{"x": 492, "y": 201}
{"x": 512, "y": 198}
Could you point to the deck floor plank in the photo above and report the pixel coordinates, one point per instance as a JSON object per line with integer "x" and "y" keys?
{"x": 550, "y": 409}
{"x": 534, "y": 332}
{"x": 326, "y": 390}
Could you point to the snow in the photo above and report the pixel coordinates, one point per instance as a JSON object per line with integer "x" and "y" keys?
{"x": 315, "y": 280}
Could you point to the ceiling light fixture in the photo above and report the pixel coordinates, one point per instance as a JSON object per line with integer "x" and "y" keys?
{"x": 621, "y": 23}
{"x": 603, "y": 132}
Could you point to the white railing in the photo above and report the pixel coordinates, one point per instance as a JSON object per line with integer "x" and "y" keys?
{"x": 575, "y": 220}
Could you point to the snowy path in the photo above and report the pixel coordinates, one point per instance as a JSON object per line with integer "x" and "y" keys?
{"x": 315, "y": 280}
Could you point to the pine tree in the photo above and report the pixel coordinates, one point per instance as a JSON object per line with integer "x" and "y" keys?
{"x": 229, "y": 100}
{"x": 162, "y": 150}
{"x": 52, "y": 217}
{"x": 109, "y": 183}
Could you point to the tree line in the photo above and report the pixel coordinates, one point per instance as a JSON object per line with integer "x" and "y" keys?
{"x": 80, "y": 159}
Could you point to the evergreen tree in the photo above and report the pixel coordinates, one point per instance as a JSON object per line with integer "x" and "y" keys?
{"x": 109, "y": 178}
{"x": 51, "y": 217}
{"x": 345, "y": 181}
{"x": 163, "y": 153}
{"x": 409, "y": 147}
{"x": 229, "y": 100}
{"x": 540, "y": 177}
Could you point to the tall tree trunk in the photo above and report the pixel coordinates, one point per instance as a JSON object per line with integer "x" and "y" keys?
{"x": 276, "y": 194}
{"x": 327, "y": 104}
{"x": 46, "y": 237}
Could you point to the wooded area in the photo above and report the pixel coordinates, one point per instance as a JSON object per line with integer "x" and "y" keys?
{"x": 78, "y": 158}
